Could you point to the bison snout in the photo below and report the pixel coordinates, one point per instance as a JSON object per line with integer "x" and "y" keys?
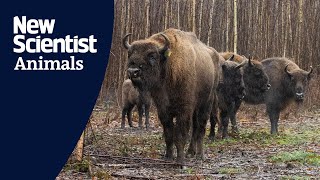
{"x": 268, "y": 87}
{"x": 299, "y": 96}
{"x": 133, "y": 72}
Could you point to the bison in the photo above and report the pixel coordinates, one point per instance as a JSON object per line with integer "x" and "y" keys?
{"x": 132, "y": 97}
{"x": 288, "y": 84}
{"x": 229, "y": 91}
{"x": 181, "y": 74}
{"x": 255, "y": 80}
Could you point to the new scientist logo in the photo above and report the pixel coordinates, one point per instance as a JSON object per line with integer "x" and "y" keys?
{"x": 37, "y": 44}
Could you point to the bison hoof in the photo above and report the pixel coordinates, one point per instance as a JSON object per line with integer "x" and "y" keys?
{"x": 200, "y": 156}
{"x": 225, "y": 137}
{"x": 191, "y": 153}
{"x": 180, "y": 160}
{"x": 235, "y": 130}
{"x": 168, "y": 158}
{"x": 211, "y": 137}
{"x": 122, "y": 126}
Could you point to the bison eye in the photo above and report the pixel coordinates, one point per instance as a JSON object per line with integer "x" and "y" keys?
{"x": 131, "y": 63}
{"x": 257, "y": 73}
{"x": 141, "y": 66}
{"x": 152, "y": 59}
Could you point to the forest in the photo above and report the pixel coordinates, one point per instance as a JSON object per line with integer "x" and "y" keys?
{"x": 258, "y": 28}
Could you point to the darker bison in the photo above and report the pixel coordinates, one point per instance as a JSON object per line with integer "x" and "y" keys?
{"x": 130, "y": 98}
{"x": 255, "y": 80}
{"x": 229, "y": 91}
{"x": 288, "y": 83}
{"x": 181, "y": 74}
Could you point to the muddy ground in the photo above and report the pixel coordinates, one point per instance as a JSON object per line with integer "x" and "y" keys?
{"x": 133, "y": 153}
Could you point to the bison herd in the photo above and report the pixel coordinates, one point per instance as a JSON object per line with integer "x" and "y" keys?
{"x": 190, "y": 82}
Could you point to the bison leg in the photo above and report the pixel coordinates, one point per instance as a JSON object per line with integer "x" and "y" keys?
{"x": 181, "y": 131}
{"x": 192, "y": 146}
{"x": 233, "y": 117}
{"x": 146, "y": 111}
{"x": 167, "y": 123}
{"x": 124, "y": 112}
{"x": 200, "y": 118}
{"x": 274, "y": 114}
{"x": 129, "y": 115}
{"x": 213, "y": 122}
{"x": 140, "y": 110}
{"x": 202, "y": 122}
{"x": 225, "y": 122}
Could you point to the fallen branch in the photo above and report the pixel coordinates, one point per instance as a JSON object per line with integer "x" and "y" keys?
{"x": 155, "y": 162}
{"x": 130, "y": 176}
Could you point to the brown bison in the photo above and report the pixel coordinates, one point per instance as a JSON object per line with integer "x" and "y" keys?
{"x": 132, "y": 97}
{"x": 255, "y": 80}
{"x": 229, "y": 91}
{"x": 288, "y": 83}
{"x": 181, "y": 73}
{"x": 236, "y": 57}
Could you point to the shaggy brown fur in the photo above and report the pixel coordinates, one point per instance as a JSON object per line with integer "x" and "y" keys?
{"x": 237, "y": 58}
{"x": 181, "y": 74}
{"x": 230, "y": 90}
{"x": 288, "y": 83}
{"x": 255, "y": 80}
{"x": 132, "y": 97}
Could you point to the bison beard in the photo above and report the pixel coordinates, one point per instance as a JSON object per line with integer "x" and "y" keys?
{"x": 132, "y": 97}
{"x": 181, "y": 74}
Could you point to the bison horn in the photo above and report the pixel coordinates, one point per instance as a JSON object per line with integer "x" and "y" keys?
{"x": 286, "y": 70}
{"x": 250, "y": 62}
{"x": 310, "y": 71}
{"x": 125, "y": 41}
{"x": 167, "y": 42}
{"x": 240, "y": 65}
{"x": 231, "y": 58}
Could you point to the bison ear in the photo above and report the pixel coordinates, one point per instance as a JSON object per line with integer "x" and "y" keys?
{"x": 250, "y": 62}
{"x": 287, "y": 72}
{"x": 224, "y": 67}
{"x": 165, "y": 50}
{"x": 231, "y": 58}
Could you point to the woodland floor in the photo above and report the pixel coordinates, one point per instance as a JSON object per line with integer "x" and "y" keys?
{"x": 133, "y": 153}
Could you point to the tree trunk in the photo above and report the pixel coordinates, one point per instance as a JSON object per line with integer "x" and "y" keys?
{"x": 235, "y": 40}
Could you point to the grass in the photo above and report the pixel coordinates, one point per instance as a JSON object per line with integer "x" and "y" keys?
{"x": 264, "y": 138}
{"x": 302, "y": 157}
{"x": 82, "y": 166}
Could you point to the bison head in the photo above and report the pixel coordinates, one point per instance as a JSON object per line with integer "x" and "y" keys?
{"x": 145, "y": 59}
{"x": 255, "y": 78}
{"x": 298, "y": 81}
{"x": 232, "y": 78}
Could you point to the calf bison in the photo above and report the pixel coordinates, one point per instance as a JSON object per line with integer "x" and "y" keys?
{"x": 132, "y": 97}
{"x": 288, "y": 83}
{"x": 181, "y": 74}
{"x": 229, "y": 91}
